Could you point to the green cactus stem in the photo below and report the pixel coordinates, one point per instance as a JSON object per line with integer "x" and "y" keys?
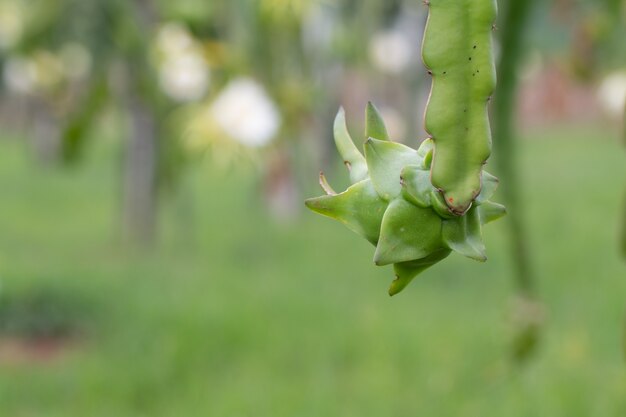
{"x": 458, "y": 52}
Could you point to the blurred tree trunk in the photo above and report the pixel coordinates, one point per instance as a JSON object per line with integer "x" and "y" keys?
{"x": 140, "y": 173}
{"x": 46, "y": 133}
{"x": 139, "y": 217}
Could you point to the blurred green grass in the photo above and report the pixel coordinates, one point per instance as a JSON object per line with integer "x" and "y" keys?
{"x": 235, "y": 315}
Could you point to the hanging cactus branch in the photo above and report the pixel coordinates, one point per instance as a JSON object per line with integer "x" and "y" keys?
{"x": 417, "y": 206}
{"x": 458, "y": 52}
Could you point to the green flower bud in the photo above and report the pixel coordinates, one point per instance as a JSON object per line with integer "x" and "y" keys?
{"x": 418, "y": 206}
{"x": 396, "y": 208}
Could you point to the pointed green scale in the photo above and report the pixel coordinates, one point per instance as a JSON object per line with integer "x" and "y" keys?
{"x": 490, "y": 211}
{"x": 406, "y": 271}
{"x": 385, "y": 161}
{"x": 374, "y": 124}
{"x": 425, "y": 151}
{"x": 353, "y": 159}
{"x": 458, "y": 50}
{"x": 463, "y": 235}
{"x": 416, "y": 186}
{"x": 407, "y": 232}
{"x": 428, "y": 160}
{"x": 426, "y": 147}
{"x": 359, "y": 208}
{"x": 489, "y": 186}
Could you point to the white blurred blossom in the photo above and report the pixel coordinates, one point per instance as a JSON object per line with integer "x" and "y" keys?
{"x": 40, "y": 71}
{"x": 184, "y": 77}
{"x": 173, "y": 37}
{"x": 183, "y": 70}
{"x": 44, "y": 71}
{"x": 390, "y": 51}
{"x": 245, "y": 112}
{"x": 612, "y": 93}
{"x": 19, "y": 75}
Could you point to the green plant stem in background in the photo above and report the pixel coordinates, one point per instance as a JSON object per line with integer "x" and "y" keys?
{"x": 623, "y": 242}
{"x": 527, "y": 312}
{"x": 623, "y": 237}
{"x": 515, "y": 20}
{"x": 624, "y": 125}
{"x": 624, "y": 337}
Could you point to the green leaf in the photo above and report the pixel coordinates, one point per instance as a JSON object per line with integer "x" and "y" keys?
{"x": 407, "y": 233}
{"x": 406, "y": 271}
{"x": 385, "y": 161}
{"x": 374, "y": 123}
{"x": 490, "y": 211}
{"x": 489, "y": 186}
{"x": 359, "y": 208}
{"x": 348, "y": 151}
{"x": 416, "y": 186}
{"x": 463, "y": 235}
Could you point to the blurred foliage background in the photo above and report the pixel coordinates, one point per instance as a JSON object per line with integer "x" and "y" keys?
{"x": 156, "y": 259}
